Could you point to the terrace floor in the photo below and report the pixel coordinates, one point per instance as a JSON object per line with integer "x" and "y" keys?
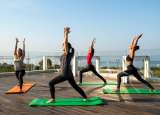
{"x": 17, "y": 104}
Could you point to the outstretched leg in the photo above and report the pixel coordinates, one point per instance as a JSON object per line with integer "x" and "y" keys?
{"x": 53, "y": 82}
{"x": 121, "y": 74}
{"x": 97, "y": 74}
{"x": 138, "y": 77}
{"x": 75, "y": 86}
{"x": 81, "y": 73}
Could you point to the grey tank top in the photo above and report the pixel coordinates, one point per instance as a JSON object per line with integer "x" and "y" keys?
{"x": 18, "y": 63}
{"x": 66, "y": 60}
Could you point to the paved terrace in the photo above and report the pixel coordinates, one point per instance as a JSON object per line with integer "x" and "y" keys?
{"x": 17, "y": 104}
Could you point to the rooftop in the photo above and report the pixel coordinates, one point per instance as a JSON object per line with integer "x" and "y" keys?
{"x": 17, "y": 104}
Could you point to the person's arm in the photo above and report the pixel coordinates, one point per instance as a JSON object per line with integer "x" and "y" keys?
{"x": 93, "y": 43}
{"x": 15, "y": 49}
{"x": 132, "y": 53}
{"x": 24, "y": 52}
{"x": 135, "y": 41}
{"x": 65, "y": 42}
{"x": 134, "y": 44}
{"x": 72, "y": 53}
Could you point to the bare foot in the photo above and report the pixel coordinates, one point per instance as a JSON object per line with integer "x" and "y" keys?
{"x": 79, "y": 83}
{"x": 21, "y": 91}
{"x": 152, "y": 89}
{"x": 117, "y": 90}
{"x": 105, "y": 83}
{"x": 85, "y": 99}
{"x": 50, "y": 100}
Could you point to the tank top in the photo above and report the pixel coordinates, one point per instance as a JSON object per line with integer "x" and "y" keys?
{"x": 89, "y": 56}
{"x": 130, "y": 61}
{"x": 66, "y": 60}
{"x": 18, "y": 63}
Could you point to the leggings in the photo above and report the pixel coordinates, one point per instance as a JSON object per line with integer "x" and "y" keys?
{"x": 91, "y": 68}
{"x": 19, "y": 75}
{"x": 65, "y": 77}
{"x": 132, "y": 71}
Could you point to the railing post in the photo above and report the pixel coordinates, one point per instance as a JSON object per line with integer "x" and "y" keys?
{"x": 74, "y": 65}
{"x": 146, "y": 67}
{"x": 44, "y": 63}
{"x": 124, "y": 67}
{"x": 97, "y": 63}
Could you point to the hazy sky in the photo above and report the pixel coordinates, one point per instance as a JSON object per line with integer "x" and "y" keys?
{"x": 112, "y": 22}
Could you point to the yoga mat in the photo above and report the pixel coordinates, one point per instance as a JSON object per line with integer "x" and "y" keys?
{"x": 68, "y": 102}
{"x": 97, "y": 83}
{"x": 131, "y": 91}
{"x": 25, "y": 88}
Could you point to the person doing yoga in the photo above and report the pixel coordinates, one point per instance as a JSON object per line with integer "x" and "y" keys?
{"x": 66, "y": 71}
{"x": 90, "y": 66}
{"x": 19, "y": 66}
{"x": 131, "y": 70}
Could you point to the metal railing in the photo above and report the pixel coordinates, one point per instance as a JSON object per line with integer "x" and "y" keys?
{"x": 102, "y": 63}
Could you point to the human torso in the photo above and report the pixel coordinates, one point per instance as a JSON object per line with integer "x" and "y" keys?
{"x": 90, "y": 56}
{"x": 18, "y": 63}
{"x": 65, "y": 62}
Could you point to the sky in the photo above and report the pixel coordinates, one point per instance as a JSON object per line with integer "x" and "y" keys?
{"x": 112, "y": 22}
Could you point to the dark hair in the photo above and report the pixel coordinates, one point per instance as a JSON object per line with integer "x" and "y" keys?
{"x": 20, "y": 49}
{"x": 128, "y": 58}
{"x": 137, "y": 48}
{"x": 69, "y": 46}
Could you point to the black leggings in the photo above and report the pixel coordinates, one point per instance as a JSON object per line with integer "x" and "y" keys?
{"x": 132, "y": 71}
{"x": 19, "y": 75}
{"x": 91, "y": 68}
{"x": 62, "y": 78}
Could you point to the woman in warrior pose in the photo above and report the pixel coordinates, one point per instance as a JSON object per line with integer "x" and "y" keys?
{"x": 131, "y": 70}
{"x": 90, "y": 66}
{"x": 66, "y": 71}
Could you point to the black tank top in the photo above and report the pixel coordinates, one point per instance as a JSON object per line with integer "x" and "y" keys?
{"x": 129, "y": 59}
{"x": 66, "y": 60}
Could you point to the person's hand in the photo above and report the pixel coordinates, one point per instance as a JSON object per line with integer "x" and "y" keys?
{"x": 94, "y": 40}
{"x": 17, "y": 40}
{"x": 93, "y": 43}
{"x": 139, "y": 36}
{"x": 67, "y": 30}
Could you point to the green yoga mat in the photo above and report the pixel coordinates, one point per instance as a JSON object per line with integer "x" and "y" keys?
{"x": 68, "y": 102}
{"x": 97, "y": 83}
{"x": 131, "y": 91}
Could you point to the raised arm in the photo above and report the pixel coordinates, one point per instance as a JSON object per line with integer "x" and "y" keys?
{"x": 65, "y": 42}
{"x": 134, "y": 44}
{"x": 15, "y": 49}
{"x": 93, "y": 43}
{"x": 24, "y": 47}
{"x": 135, "y": 40}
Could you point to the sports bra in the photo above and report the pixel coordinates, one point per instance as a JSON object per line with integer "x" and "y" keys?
{"x": 129, "y": 59}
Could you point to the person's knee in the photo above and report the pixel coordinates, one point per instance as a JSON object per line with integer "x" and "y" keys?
{"x": 80, "y": 73}
{"x": 50, "y": 83}
{"x": 119, "y": 75}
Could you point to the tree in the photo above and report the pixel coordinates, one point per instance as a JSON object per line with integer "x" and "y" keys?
{"x": 49, "y": 63}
